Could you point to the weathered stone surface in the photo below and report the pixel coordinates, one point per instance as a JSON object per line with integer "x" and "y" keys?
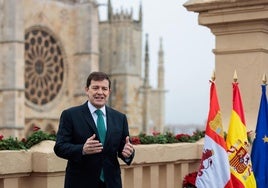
{"x": 154, "y": 166}
{"x": 15, "y": 162}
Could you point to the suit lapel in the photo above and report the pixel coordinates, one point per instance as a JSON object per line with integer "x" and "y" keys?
{"x": 89, "y": 119}
{"x": 109, "y": 124}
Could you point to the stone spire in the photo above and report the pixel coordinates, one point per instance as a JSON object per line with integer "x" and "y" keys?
{"x": 140, "y": 13}
{"x": 146, "y": 88}
{"x": 161, "y": 71}
{"x": 110, "y": 10}
{"x": 146, "y": 59}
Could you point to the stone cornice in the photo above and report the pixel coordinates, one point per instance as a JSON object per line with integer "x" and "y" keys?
{"x": 208, "y": 5}
{"x": 236, "y": 51}
{"x": 212, "y": 12}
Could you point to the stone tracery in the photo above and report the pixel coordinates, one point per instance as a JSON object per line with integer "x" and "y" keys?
{"x": 44, "y": 66}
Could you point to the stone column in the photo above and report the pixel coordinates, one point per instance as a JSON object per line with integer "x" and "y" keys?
{"x": 241, "y": 33}
{"x": 86, "y": 57}
{"x": 11, "y": 68}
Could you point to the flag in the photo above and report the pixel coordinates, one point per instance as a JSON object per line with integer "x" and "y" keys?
{"x": 214, "y": 170}
{"x": 259, "y": 150}
{"x": 242, "y": 175}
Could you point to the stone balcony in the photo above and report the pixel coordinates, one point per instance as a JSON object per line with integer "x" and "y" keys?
{"x": 154, "y": 166}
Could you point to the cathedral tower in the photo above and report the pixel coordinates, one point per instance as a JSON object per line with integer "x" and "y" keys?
{"x": 120, "y": 41}
{"x": 11, "y": 68}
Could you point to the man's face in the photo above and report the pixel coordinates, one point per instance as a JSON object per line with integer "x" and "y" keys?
{"x": 98, "y": 93}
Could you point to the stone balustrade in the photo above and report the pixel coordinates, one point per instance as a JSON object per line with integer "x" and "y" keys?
{"x": 154, "y": 166}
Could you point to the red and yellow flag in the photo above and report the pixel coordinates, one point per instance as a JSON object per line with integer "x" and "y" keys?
{"x": 214, "y": 170}
{"x": 238, "y": 146}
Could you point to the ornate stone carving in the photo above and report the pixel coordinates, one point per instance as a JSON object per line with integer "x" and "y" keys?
{"x": 44, "y": 66}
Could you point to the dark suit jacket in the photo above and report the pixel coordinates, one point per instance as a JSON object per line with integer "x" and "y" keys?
{"x": 83, "y": 171}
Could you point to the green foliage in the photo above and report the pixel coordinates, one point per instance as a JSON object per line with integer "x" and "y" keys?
{"x": 146, "y": 139}
{"x": 166, "y": 138}
{"x": 15, "y": 144}
{"x": 38, "y": 137}
{"x": 171, "y": 138}
{"x": 11, "y": 144}
{"x": 196, "y": 136}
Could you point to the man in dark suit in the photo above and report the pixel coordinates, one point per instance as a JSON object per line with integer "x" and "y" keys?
{"x": 93, "y": 160}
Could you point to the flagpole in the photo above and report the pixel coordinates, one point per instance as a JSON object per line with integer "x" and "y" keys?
{"x": 264, "y": 79}
{"x": 235, "y": 77}
{"x": 213, "y": 76}
{"x": 259, "y": 149}
{"x": 214, "y": 169}
{"x": 237, "y": 143}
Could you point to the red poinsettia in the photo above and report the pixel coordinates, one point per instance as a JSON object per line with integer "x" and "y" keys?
{"x": 135, "y": 140}
{"x": 155, "y": 133}
{"x": 183, "y": 137}
{"x": 189, "y": 180}
{"x": 35, "y": 128}
{"x": 24, "y": 140}
{"x": 1, "y": 137}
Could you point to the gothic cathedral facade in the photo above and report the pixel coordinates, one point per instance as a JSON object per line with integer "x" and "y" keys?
{"x": 47, "y": 50}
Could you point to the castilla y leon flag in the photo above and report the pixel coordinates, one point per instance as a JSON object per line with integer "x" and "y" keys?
{"x": 242, "y": 175}
{"x": 214, "y": 170}
{"x": 259, "y": 150}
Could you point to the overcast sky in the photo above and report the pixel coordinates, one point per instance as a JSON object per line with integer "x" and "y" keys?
{"x": 188, "y": 57}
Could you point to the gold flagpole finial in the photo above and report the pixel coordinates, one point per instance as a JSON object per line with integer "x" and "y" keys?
{"x": 264, "y": 79}
{"x": 235, "y": 76}
{"x": 213, "y": 77}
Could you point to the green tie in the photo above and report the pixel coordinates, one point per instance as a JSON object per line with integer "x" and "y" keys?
{"x": 102, "y": 133}
{"x": 101, "y": 126}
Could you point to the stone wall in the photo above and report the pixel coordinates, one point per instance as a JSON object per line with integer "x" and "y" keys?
{"x": 154, "y": 166}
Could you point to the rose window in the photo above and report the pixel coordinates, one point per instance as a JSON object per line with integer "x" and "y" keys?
{"x": 44, "y": 66}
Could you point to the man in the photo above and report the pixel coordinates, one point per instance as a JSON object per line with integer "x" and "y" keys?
{"x": 92, "y": 159}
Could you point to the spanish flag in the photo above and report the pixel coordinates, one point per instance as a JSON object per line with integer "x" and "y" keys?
{"x": 214, "y": 170}
{"x": 238, "y": 145}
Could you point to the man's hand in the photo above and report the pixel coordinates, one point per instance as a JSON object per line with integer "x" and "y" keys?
{"x": 92, "y": 146}
{"x": 128, "y": 148}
